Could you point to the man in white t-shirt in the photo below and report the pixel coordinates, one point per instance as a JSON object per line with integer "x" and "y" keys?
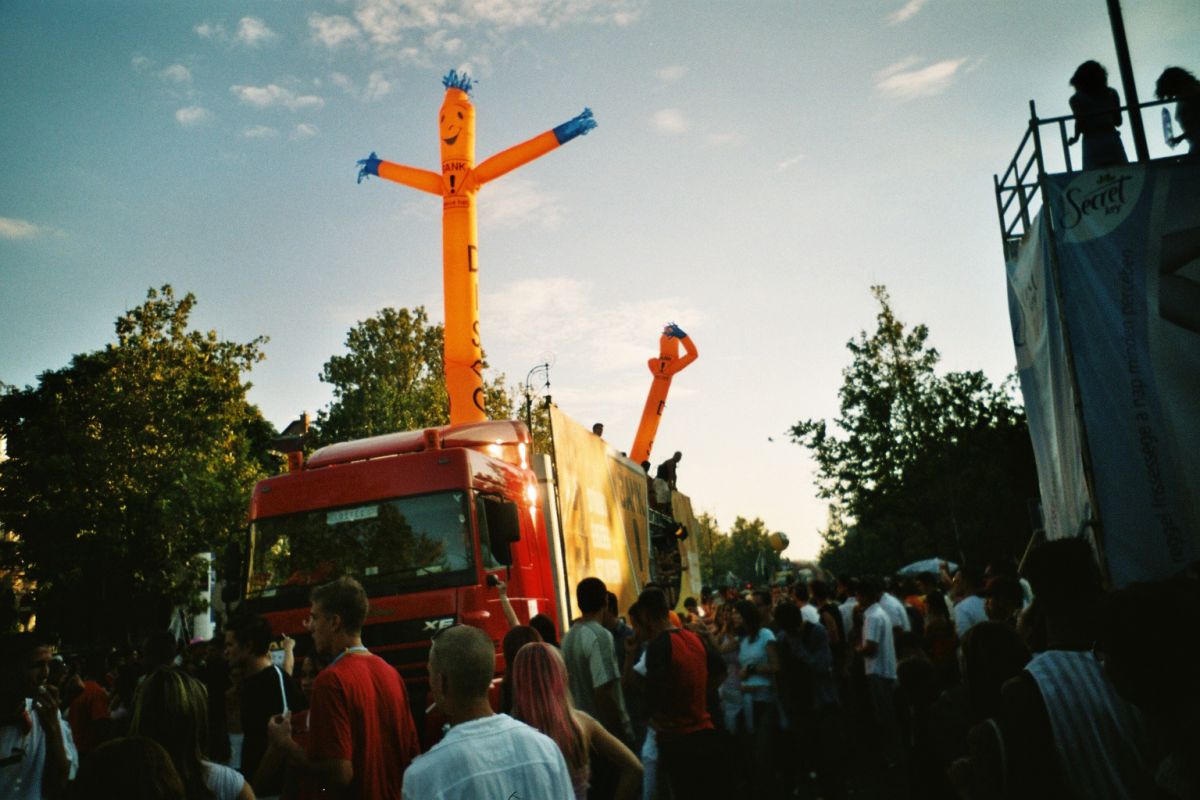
{"x": 879, "y": 658}
{"x": 484, "y": 754}
{"x": 592, "y": 671}
{"x": 969, "y": 608}
{"x": 846, "y": 610}
{"x": 896, "y": 612}
{"x": 37, "y": 755}
{"x": 807, "y": 610}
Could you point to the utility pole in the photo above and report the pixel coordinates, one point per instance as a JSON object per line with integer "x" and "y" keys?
{"x": 1127, "y": 83}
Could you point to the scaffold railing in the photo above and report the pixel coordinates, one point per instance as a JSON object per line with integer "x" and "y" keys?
{"x": 1018, "y": 190}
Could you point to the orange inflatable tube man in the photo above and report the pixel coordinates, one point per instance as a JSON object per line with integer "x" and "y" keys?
{"x": 457, "y": 184}
{"x": 663, "y": 369}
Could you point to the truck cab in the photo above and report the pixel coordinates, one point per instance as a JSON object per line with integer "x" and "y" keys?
{"x": 427, "y": 520}
{"x": 422, "y": 519}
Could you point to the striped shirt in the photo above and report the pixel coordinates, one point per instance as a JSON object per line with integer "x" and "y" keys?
{"x": 1103, "y": 749}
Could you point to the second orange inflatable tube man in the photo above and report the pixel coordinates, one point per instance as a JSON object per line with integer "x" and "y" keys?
{"x": 457, "y": 185}
{"x": 663, "y": 369}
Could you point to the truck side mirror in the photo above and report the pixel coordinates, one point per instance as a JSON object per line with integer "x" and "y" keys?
{"x": 502, "y": 519}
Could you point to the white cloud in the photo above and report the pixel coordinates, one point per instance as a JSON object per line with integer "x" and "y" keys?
{"x": 899, "y": 82}
{"x": 176, "y": 73}
{"x": 669, "y": 120}
{"x": 260, "y": 132}
{"x": 385, "y": 23}
{"x": 514, "y": 14}
{"x": 624, "y": 18}
{"x": 542, "y": 309}
{"x": 788, "y": 163}
{"x": 333, "y": 31}
{"x": 19, "y": 229}
{"x": 409, "y": 54}
{"x": 377, "y": 86}
{"x": 140, "y": 63}
{"x": 517, "y": 202}
{"x": 672, "y": 73}
{"x": 192, "y": 116}
{"x": 253, "y": 32}
{"x": 442, "y": 41}
{"x": 274, "y": 95}
{"x": 602, "y": 337}
{"x": 209, "y": 30}
{"x": 304, "y": 131}
{"x": 899, "y": 66}
{"x": 906, "y": 13}
{"x": 477, "y": 65}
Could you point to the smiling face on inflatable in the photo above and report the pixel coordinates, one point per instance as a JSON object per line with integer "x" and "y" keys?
{"x": 456, "y": 132}
{"x": 456, "y": 127}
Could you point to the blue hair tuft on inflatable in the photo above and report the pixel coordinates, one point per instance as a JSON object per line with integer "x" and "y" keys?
{"x": 455, "y": 81}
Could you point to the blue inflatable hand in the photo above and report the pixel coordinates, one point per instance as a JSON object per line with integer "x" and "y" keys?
{"x": 575, "y": 127}
{"x": 368, "y": 166}
{"x": 674, "y": 330}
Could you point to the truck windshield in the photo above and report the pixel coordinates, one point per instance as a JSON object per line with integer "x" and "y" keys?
{"x": 406, "y": 542}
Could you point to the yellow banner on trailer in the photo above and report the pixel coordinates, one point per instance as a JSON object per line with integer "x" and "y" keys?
{"x": 689, "y": 549}
{"x": 603, "y": 503}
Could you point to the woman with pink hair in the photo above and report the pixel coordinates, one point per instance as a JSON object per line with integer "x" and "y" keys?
{"x": 542, "y": 700}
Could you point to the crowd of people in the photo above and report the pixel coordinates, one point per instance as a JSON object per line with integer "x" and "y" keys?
{"x": 974, "y": 684}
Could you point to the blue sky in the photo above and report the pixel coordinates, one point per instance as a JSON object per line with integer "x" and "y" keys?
{"x": 757, "y": 167}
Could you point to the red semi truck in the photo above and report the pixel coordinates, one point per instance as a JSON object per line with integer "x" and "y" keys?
{"x": 424, "y": 519}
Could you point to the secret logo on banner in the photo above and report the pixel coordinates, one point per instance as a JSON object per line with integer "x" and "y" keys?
{"x": 1096, "y": 203}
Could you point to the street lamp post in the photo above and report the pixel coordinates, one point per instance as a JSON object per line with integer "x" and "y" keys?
{"x": 544, "y": 370}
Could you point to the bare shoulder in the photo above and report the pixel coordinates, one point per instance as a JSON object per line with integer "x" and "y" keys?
{"x": 586, "y": 722}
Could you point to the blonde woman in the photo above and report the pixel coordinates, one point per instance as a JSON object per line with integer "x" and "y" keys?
{"x": 171, "y": 707}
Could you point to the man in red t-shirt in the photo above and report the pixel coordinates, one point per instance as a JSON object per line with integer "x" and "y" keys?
{"x": 674, "y": 673}
{"x": 88, "y": 713}
{"x": 361, "y": 731}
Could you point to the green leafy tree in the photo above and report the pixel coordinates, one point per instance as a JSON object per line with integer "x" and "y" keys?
{"x": 885, "y": 411}
{"x": 926, "y": 464}
{"x": 708, "y": 539}
{"x": 744, "y": 555}
{"x": 391, "y": 379}
{"x": 751, "y": 556}
{"x": 126, "y": 464}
